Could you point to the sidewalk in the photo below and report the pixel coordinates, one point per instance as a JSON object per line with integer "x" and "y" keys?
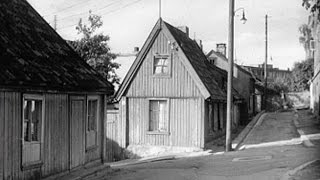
{"x": 273, "y": 129}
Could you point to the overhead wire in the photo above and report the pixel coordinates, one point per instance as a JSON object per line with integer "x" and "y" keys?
{"x": 66, "y": 8}
{"x": 82, "y": 13}
{"x": 108, "y": 12}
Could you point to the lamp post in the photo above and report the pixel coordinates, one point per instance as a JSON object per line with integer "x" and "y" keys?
{"x": 230, "y": 72}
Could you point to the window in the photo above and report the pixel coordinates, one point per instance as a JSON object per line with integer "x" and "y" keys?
{"x": 33, "y": 114}
{"x": 158, "y": 116}
{"x": 92, "y": 122}
{"x": 161, "y": 65}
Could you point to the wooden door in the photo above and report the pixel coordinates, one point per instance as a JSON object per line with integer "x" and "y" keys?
{"x": 77, "y": 139}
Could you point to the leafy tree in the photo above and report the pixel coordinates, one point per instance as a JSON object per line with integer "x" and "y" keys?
{"x": 313, "y": 6}
{"x": 282, "y": 84}
{"x": 301, "y": 74}
{"x": 305, "y": 39}
{"x": 94, "y": 49}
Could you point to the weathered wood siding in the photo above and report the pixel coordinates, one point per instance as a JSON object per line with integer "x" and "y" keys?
{"x": 185, "y": 123}
{"x": 113, "y": 149}
{"x": 11, "y": 156}
{"x": 56, "y": 146}
{"x": 2, "y": 129}
{"x": 56, "y": 134}
{"x": 179, "y": 84}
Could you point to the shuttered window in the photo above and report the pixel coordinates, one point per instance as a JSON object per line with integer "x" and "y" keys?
{"x": 158, "y": 116}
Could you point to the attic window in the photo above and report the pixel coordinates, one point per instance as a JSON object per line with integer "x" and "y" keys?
{"x": 161, "y": 65}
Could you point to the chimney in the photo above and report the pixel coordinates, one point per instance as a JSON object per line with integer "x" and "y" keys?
{"x": 222, "y": 48}
{"x": 184, "y": 29}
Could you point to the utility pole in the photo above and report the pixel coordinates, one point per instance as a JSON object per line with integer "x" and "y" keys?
{"x": 265, "y": 65}
{"x": 55, "y": 22}
{"x": 230, "y": 75}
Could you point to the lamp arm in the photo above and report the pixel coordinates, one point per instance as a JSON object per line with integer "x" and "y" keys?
{"x": 241, "y": 8}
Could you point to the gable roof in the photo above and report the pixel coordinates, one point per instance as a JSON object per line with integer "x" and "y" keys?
{"x": 203, "y": 71}
{"x": 34, "y": 56}
{"x": 223, "y": 57}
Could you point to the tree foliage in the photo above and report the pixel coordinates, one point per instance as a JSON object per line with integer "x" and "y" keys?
{"x": 301, "y": 74}
{"x": 93, "y": 48}
{"x": 313, "y": 6}
{"x": 305, "y": 38}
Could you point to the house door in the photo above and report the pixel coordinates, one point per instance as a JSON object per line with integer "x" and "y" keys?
{"x": 77, "y": 139}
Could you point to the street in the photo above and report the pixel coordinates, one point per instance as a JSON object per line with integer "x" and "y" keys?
{"x": 253, "y": 163}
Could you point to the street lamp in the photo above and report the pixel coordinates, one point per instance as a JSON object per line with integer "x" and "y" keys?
{"x": 232, "y": 12}
{"x": 243, "y": 18}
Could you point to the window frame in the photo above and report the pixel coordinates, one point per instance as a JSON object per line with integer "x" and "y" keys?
{"x": 95, "y": 145}
{"x": 38, "y": 163}
{"x": 169, "y": 59}
{"x": 167, "y": 115}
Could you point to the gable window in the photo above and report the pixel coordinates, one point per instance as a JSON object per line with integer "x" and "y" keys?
{"x": 33, "y": 115}
{"x": 161, "y": 65}
{"x": 92, "y": 122}
{"x": 158, "y": 116}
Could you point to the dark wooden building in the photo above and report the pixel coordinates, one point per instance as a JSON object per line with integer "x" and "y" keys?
{"x": 51, "y": 102}
{"x": 172, "y": 98}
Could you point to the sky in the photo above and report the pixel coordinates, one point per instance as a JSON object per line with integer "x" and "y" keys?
{"x": 129, "y": 22}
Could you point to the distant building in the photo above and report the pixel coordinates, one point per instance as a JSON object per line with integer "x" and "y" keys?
{"x": 51, "y": 102}
{"x": 273, "y": 73}
{"x": 172, "y": 98}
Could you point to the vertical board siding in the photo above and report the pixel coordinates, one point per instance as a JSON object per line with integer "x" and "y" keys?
{"x": 179, "y": 84}
{"x": 113, "y": 148}
{"x": 77, "y": 132}
{"x": 184, "y": 123}
{"x": 12, "y": 116}
{"x": 56, "y": 134}
{"x": 2, "y": 130}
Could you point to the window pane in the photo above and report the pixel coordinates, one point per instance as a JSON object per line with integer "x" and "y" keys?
{"x": 161, "y": 65}
{"x": 158, "y": 116}
{"x": 92, "y": 114}
{"x": 36, "y": 119}
{"x": 32, "y": 120}
{"x": 27, "y": 116}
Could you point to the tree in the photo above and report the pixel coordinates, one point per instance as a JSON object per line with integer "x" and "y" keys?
{"x": 305, "y": 39}
{"x": 313, "y": 6}
{"x": 94, "y": 49}
{"x": 301, "y": 74}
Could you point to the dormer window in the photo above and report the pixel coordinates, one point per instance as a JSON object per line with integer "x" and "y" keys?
{"x": 161, "y": 65}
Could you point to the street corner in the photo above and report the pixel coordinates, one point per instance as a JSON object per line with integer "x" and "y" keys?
{"x": 309, "y": 170}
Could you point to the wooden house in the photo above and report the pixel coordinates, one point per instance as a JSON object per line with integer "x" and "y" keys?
{"x": 243, "y": 82}
{"x": 171, "y": 99}
{"x": 51, "y": 102}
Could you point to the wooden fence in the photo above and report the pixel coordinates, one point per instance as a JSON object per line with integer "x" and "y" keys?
{"x": 113, "y": 149}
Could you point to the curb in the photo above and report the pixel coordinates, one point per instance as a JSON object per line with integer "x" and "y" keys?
{"x": 289, "y": 173}
{"x": 236, "y": 144}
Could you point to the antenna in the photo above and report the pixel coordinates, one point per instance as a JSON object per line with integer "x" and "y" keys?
{"x": 159, "y": 8}
{"x": 55, "y": 22}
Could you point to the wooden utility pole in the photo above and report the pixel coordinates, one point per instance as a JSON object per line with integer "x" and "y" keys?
{"x": 230, "y": 75}
{"x": 265, "y": 65}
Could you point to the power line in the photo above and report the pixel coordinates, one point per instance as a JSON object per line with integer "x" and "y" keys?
{"x": 71, "y": 6}
{"x": 82, "y": 13}
{"x": 127, "y": 5}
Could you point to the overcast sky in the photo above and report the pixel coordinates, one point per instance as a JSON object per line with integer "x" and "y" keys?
{"x": 129, "y": 22}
